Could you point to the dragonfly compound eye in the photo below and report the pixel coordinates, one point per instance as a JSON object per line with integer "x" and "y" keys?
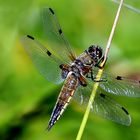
{"x": 95, "y": 52}
{"x": 98, "y": 52}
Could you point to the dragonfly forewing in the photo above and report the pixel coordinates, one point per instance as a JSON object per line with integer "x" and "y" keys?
{"x": 44, "y": 60}
{"x": 121, "y": 86}
{"x": 55, "y": 36}
{"x": 118, "y": 85}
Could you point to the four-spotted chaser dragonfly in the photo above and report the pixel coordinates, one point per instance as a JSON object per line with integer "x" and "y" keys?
{"x": 59, "y": 63}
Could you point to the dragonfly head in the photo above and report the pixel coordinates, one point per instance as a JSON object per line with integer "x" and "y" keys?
{"x": 95, "y": 52}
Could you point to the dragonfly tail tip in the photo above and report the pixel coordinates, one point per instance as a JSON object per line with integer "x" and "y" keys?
{"x": 49, "y": 127}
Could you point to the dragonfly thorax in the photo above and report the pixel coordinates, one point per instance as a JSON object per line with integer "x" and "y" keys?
{"x": 83, "y": 64}
{"x": 74, "y": 68}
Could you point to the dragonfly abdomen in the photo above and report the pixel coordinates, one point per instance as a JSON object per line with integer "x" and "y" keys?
{"x": 66, "y": 93}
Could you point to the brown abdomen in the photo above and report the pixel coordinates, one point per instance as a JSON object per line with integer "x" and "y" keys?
{"x": 67, "y": 91}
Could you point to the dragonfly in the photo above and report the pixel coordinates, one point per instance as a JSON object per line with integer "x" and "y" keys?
{"x": 59, "y": 63}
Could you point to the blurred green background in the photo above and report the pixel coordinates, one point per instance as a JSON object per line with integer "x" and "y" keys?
{"x": 27, "y": 99}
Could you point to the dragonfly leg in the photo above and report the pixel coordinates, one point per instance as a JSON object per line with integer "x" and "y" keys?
{"x": 82, "y": 81}
{"x": 94, "y": 79}
{"x": 101, "y": 80}
{"x": 99, "y": 62}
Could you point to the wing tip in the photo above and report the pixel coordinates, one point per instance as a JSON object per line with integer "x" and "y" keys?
{"x": 129, "y": 121}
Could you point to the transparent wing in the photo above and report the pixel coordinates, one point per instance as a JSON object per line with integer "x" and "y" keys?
{"x": 108, "y": 108}
{"x": 119, "y": 85}
{"x": 103, "y": 106}
{"x": 55, "y": 36}
{"x": 47, "y": 63}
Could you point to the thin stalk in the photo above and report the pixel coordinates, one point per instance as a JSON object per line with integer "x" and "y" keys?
{"x": 99, "y": 74}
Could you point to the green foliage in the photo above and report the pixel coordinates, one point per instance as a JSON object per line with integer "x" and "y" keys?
{"x": 26, "y": 99}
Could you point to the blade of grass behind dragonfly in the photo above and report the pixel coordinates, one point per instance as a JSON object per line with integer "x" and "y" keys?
{"x": 128, "y": 6}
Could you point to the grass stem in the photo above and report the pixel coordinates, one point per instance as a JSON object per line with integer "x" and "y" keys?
{"x": 99, "y": 74}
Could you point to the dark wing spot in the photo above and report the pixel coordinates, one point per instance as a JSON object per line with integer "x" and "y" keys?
{"x": 51, "y": 11}
{"x": 49, "y": 53}
{"x": 119, "y": 78}
{"x": 102, "y": 95}
{"x": 30, "y": 37}
{"x": 60, "y": 31}
{"x": 125, "y": 110}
